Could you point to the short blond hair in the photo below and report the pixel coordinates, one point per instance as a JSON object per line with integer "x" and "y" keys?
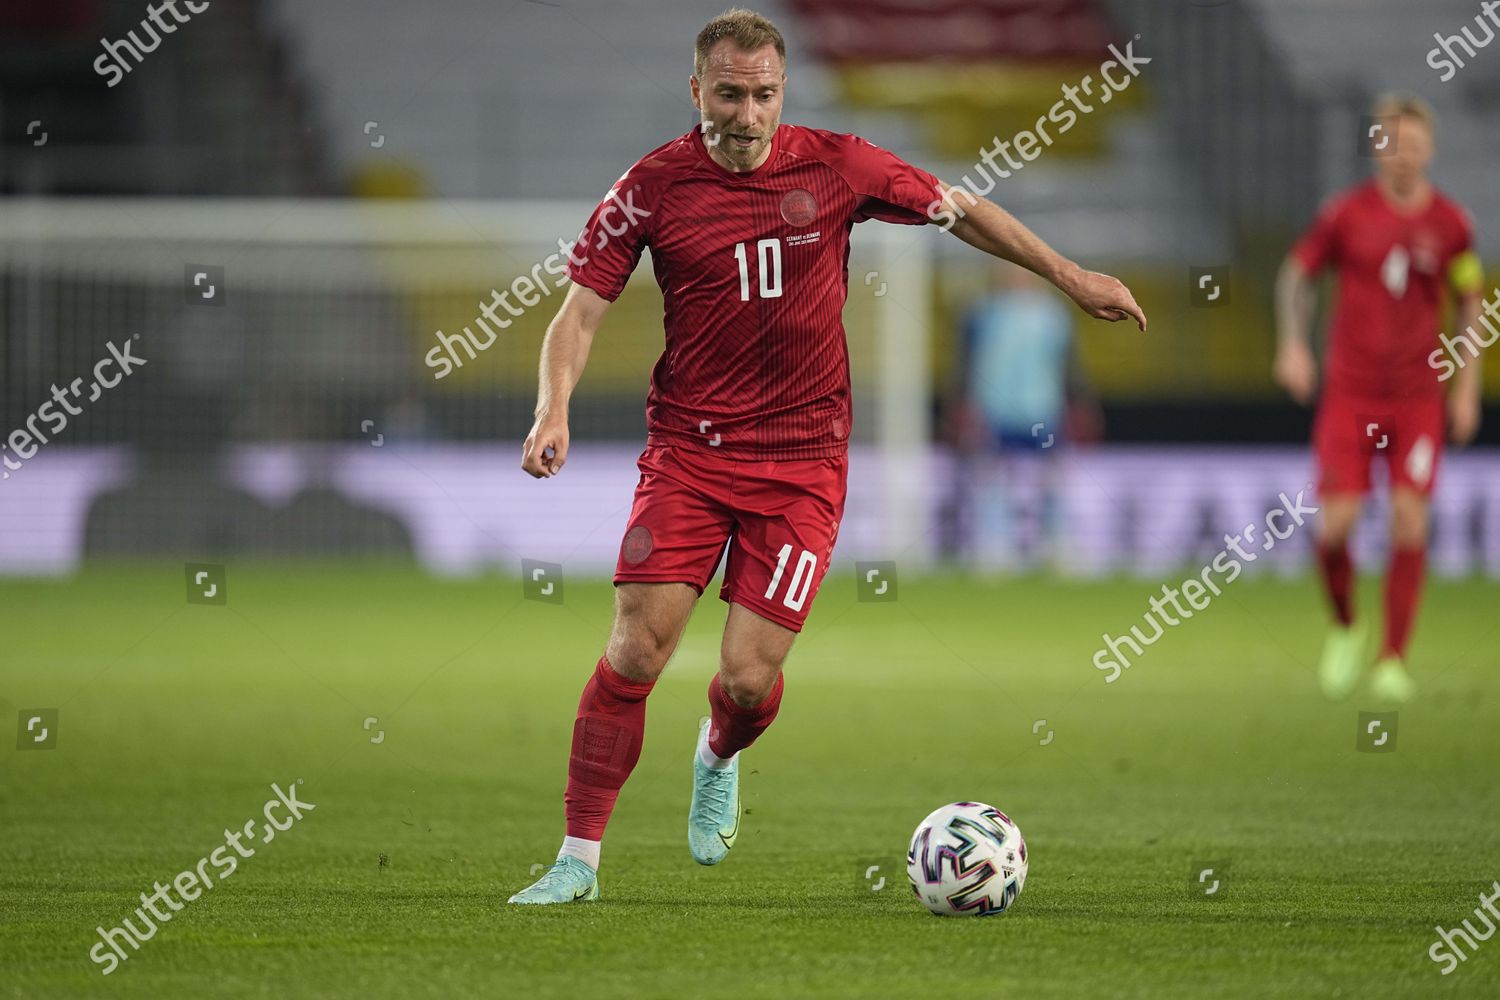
{"x": 1398, "y": 105}
{"x": 749, "y": 31}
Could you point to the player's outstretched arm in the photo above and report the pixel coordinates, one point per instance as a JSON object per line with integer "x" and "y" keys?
{"x": 981, "y": 223}
{"x": 565, "y": 351}
{"x": 1295, "y": 369}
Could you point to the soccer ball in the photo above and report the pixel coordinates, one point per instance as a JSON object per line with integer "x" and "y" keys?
{"x": 967, "y": 859}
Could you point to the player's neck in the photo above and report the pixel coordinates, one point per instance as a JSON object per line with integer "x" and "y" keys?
{"x": 1406, "y": 200}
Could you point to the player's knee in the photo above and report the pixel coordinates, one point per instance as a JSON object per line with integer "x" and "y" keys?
{"x": 748, "y": 682}
{"x": 1409, "y": 524}
{"x": 637, "y": 652}
{"x": 1337, "y": 523}
{"x": 1335, "y": 533}
{"x": 643, "y": 637}
{"x": 1412, "y": 537}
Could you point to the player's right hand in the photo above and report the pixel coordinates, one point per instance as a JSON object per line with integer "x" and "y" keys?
{"x": 546, "y": 447}
{"x": 1296, "y": 371}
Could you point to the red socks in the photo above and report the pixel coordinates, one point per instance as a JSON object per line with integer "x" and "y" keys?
{"x": 606, "y": 745}
{"x": 734, "y": 728}
{"x": 1338, "y": 573}
{"x": 609, "y": 731}
{"x": 1403, "y": 589}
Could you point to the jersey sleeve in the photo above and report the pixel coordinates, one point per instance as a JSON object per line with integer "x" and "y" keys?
{"x": 610, "y": 245}
{"x": 888, "y": 188}
{"x": 1465, "y": 271}
{"x": 1318, "y": 247}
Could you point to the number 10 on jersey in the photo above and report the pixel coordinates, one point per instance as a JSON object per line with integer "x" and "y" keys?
{"x": 802, "y": 577}
{"x": 768, "y": 260}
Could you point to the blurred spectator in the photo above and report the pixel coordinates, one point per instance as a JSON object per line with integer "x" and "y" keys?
{"x": 1018, "y": 396}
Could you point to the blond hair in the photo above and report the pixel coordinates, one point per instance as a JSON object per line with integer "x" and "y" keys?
{"x": 749, "y": 31}
{"x": 1397, "y": 105}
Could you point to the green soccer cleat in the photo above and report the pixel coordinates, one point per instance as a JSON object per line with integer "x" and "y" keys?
{"x": 568, "y": 880}
{"x": 714, "y": 818}
{"x": 1343, "y": 661}
{"x": 1391, "y": 682}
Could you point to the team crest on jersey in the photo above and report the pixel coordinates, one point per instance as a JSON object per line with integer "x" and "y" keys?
{"x": 1424, "y": 252}
{"x": 799, "y": 207}
{"x": 637, "y": 545}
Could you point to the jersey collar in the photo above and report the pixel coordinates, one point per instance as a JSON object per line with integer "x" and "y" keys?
{"x": 696, "y": 138}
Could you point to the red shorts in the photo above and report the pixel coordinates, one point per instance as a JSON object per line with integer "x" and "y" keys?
{"x": 1406, "y": 432}
{"x": 780, "y": 519}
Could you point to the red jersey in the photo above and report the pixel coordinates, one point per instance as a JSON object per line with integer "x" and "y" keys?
{"x": 753, "y": 269}
{"x": 1392, "y": 268}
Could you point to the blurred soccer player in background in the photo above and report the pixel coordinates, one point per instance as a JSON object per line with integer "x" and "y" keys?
{"x": 748, "y": 415}
{"x": 1019, "y": 397}
{"x": 1397, "y": 245}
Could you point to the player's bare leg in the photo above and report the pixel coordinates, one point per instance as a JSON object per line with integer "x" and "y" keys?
{"x": 607, "y": 736}
{"x": 743, "y": 699}
{"x": 1403, "y": 589}
{"x": 1343, "y": 651}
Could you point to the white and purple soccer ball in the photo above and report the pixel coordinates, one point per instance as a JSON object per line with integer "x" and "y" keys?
{"x": 967, "y": 859}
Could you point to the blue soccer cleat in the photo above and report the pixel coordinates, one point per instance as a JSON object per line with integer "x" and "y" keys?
{"x": 568, "y": 880}
{"x": 1391, "y": 683}
{"x": 1343, "y": 661}
{"x": 714, "y": 818}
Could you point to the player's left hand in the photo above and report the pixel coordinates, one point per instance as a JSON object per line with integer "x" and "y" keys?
{"x": 1463, "y": 416}
{"x": 1104, "y": 297}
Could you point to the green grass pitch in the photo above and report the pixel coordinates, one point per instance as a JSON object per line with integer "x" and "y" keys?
{"x": 175, "y": 720}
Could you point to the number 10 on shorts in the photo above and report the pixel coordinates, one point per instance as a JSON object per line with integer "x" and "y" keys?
{"x": 796, "y": 590}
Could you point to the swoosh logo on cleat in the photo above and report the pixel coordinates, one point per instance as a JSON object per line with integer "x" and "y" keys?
{"x": 580, "y": 894}
{"x": 733, "y": 834}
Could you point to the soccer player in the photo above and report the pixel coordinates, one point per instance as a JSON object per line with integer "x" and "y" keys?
{"x": 748, "y": 415}
{"x": 1021, "y": 395}
{"x": 1396, "y": 243}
